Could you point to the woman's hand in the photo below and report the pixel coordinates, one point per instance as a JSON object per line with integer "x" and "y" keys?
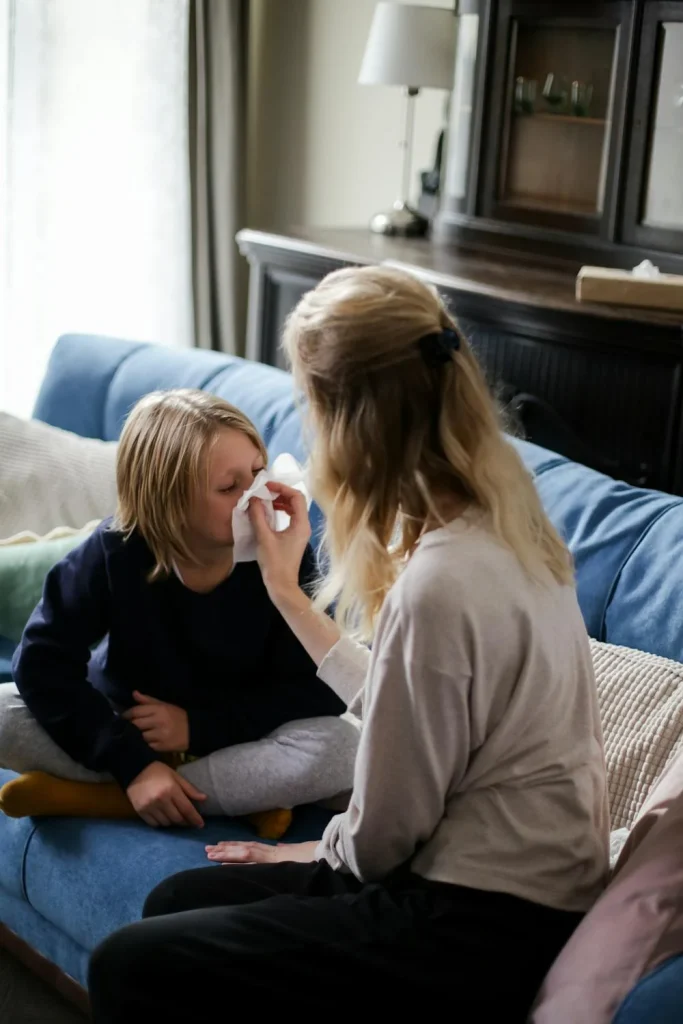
{"x": 165, "y": 727}
{"x": 260, "y": 853}
{"x": 163, "y": 797}
{"x": 280, "y": 554}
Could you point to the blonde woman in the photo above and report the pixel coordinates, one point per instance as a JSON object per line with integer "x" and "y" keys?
{"x": 196, "y": 666}
{"x": 476, "y": 834}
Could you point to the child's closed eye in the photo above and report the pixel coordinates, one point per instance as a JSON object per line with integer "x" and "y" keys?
{"x": 231, "y": 488}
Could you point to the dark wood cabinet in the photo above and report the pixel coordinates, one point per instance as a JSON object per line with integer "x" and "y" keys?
{"x": 602, "y": 385}
{"x": 564, "y": 148}
{"x": 566, "y": 130}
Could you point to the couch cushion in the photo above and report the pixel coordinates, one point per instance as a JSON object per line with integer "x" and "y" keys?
{"x": 92, "y": 383}
{"x": 264, "y": 393}
{"x": 15, "y": 837}
{"x": 51, "y": 477}
{"x": 657, "y": 999}
{"x": 91, "y": 877}
{"x": 603, "y": 521}
{"x": 41, "y": 935}
{"x": 538, "y": 460}
{"x": 644, "y": 611}
{"x": 641, "y": 708}
{"x": 74, "y": 390}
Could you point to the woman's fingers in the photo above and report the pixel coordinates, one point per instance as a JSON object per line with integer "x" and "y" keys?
{"x": 240, "y": 853}
{"x": 293, "y": 503}
{"x": 288, "y": 499}
{"x": 282, "y": 489}
{"x": 258, "y": 519}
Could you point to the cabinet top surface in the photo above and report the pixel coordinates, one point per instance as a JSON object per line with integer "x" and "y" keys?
{"x": 506, "y": 276}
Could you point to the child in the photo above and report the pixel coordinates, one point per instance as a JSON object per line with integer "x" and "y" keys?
{"x": 477, "y": 831}
{"x": 193, "y": 663}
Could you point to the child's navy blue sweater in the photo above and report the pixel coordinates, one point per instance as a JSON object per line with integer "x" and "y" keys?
{"x": 227, "y": 657}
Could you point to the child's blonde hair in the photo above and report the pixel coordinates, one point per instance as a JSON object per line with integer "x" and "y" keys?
{"x": 161, "y": 462}
{"x": 393, "y": 431}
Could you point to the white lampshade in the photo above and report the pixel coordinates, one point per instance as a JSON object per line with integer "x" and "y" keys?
{"x": 410, "y": 45}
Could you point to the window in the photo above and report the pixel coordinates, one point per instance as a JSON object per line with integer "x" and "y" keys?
{"x": 94, "y": 204}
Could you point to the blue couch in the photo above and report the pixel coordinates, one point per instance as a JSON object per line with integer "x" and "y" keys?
{"x": 66, "y": 884}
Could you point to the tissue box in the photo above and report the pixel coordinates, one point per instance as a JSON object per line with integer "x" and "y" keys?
{"x": 623, "y": 288}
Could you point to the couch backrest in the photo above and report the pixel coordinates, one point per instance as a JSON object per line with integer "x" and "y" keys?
{"x": 92, "y": 383}
{"x": 627, "y": 542}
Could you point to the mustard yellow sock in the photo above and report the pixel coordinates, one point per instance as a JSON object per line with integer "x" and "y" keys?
{"x": 268, "y": 824}
{"x": 37, "y": 794}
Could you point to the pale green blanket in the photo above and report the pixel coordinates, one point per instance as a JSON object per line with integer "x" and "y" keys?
{"x": 23, "y": 568}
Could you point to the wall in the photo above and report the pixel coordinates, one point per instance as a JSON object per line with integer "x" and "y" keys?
{"x": 322, "y": 149}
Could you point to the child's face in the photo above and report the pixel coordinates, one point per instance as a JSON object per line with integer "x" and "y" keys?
{"x": 233, "y": 462}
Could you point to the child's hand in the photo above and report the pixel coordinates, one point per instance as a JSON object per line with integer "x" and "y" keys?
{"x": 260, "y": 853}
{"x": 165, "y": 727}
{"x": 163, "y": 797}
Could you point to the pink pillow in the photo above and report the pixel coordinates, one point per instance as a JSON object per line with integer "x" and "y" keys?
{"x": 636, "y": 924}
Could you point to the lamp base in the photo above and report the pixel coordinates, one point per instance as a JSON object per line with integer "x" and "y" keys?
{"x": 400, "y": 220}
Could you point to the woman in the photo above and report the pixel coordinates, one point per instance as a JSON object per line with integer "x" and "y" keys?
{"x": 476, "y": 835}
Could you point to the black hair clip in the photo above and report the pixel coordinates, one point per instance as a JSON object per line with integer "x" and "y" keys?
{"x": 436, "y": 349}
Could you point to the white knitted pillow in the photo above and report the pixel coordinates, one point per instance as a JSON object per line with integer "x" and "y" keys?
{"x": 52, "y": 478}
{"x": 641, "y": 705}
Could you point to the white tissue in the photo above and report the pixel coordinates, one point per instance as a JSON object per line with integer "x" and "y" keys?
{"x": 286, "y": 470}
{"x": 646, "y": 270}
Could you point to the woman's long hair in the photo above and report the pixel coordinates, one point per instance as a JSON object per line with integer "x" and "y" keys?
{"x": 394, "y": 431}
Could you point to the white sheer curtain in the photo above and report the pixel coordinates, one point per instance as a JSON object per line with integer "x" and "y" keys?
{"x": 94, "y": 186}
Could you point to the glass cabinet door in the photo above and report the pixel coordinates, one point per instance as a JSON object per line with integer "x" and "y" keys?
{"x": 663, "y": 200}
{"x": 654, "y": 207}
{"x": 561, "y": 79}
{"x": 560, "y": 101}
{"x": 461, "y": 119}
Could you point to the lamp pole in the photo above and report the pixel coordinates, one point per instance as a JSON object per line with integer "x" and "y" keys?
{"x": 411, "y": 93}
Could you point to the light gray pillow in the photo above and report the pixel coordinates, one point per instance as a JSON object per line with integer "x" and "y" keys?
{"x": 641, "y": 709}
{"x": 51, "y": 477}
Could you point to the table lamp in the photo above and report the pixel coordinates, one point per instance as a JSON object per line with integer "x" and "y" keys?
{"x": 412, "y": 46}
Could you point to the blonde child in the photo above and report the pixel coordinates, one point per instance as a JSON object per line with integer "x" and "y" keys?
{"x": 194, "y": 667}
{"x": 477, "y": 832}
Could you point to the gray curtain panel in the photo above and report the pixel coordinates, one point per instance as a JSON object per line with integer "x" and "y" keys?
{"x": 217, "y": 117}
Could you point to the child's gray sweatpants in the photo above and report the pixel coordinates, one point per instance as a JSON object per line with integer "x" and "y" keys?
{"x": 299, "y": 763}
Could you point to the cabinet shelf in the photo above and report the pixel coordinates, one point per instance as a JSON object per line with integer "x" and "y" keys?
{"x": 563, "y": 118}
{"x": 551, "y": 205}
